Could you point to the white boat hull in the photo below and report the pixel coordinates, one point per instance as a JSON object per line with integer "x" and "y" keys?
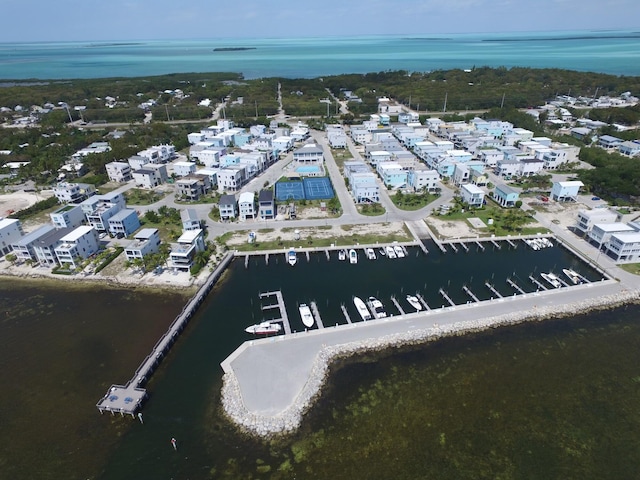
{"x": 306, "y": 315}
{"x": 363, "y": 311}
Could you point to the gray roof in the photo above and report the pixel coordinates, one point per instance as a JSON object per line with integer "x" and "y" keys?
{"x": 52, "y": 237}
{"x": 188, "y": 215}
{"x": 122, "y": 214}
{"x": 505, "y": 189}
{"x": 265, "y": 196}
{"x": 227, "y": 200}
{"x": 33, "y": 236}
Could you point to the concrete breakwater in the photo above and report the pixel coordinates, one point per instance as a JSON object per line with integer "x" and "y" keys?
{"x": 266, "y": 424}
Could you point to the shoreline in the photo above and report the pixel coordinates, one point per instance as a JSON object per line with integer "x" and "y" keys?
{"x": 289, "y": 420}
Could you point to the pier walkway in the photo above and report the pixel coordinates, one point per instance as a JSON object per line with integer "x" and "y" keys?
{"x": 126, "y": 399}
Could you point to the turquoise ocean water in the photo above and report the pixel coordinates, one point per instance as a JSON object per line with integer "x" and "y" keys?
{"x": 614, "y": 52}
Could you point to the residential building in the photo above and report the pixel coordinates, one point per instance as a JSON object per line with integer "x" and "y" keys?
{"x": 601, "y": 232}
{"x": 193, "y": 187}
{"x": 150, "y": 176}
{"x": 588, "y": 218}
{"x": 246, "y": 205}
{"x": 309, "y": 153}
{"x": 136, "y": 162}
{"x": 10, "y": 232}
{"x": 73, "y": 192}
{"x": 283, "y": 143}
{"x": 393, "y": 175}
{"x": 506, "y": 196}
{"x": 624, "y": 247}
{"x": 190, "y": 220}
{"x": 423, "y": 179}
{"x": 336, "y": 136}
{"x": 609, "y": 142}
{"x": 23, "y": 247}
{"x": 119, "y": 171}
{"x": 124, "y": 223}
{"x": 147, "y": 242}
{"x": 566, "y": 191}
{"x": 184, "y": 251}
{"x": 44, "y": 247}
{"x": 231, "y": 178}
{"x": 228, "y": 207}
{"x": 630, "y": 148}
{"x": 266, "y": 205}
{"x": 95, "y": 147}
{"x": 158, "y": 154}
{"x": 68, "y": 216}
{"x": 472, "y": 195}
{"x": 98, "y": 212}
{"x": 79, "y": 244}
{"x": 182, "y": 169}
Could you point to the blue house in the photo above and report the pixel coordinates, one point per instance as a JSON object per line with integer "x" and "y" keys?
{"x": 506, "y": 196}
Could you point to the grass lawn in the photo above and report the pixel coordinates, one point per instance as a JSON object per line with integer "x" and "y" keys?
{"x": 631, "y": 268}
{"x": 341, "y": 155}
{"x": 138, "y": 196}
{"x": 168, "y": 232}
{"x": 371, "y": 209}
{"x": 412, "y": 201}
{"x": 505, "y": 222}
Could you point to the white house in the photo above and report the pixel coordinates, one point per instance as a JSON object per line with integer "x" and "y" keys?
{"x": 393, "y": 174}
{"x": 118, "y": 171}
{"x": 566, "y": 191}
{"x": 158, "y": 154}
{"x": 68, "y": 216}
{"x": 10, "y": 232}
{"x": 247, "y": 205}
{"x": 183, "y": 252}
{"x": 601, "y": 232}
{"x": 309, "y": 153}
{"x": 182, "y": 169}
{"x": 45, "y": 246}
{"x": 231, "y": 178}
{"x": 283, "y": 143}
{"x": 81, "y": 243}
{"x": 23, "y": 247}
{"x": 190, "y": 220}
{"x": 630, "y": 148}
{"x": 422, "y": 178}
{"x": 588, "y": 218}
{"x": 150, "y": 176}
{"x": 624, "y": 247}
{"x": 147, "y": 241}
{"x": 73, "y": 192}
{"x": 472, "y": 195}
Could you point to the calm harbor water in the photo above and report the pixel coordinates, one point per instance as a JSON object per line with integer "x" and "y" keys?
{"x": 537, "y": 401}
{"x": 614, "y": 52}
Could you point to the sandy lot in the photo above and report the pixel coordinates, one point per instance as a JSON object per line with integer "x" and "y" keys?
{"x": 12, "y": 202}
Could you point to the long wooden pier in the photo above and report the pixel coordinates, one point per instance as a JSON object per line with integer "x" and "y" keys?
{"x": 126, "y": 399}
{"x": 395, "y": 302}
{"x": 446, "y": 297}
{"x": 346, "y": 314}
{"x": 515, "y": 285}
{"x": 493, "y": 290}
{"x": 470, "y": 293}
{"x": 316, "y": 314}
{"x": 423, "y": 301}
{"x": 537, "y": 283}
{"x": 284, "y": 318}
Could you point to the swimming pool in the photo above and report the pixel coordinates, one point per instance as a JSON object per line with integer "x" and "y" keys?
{"x": 308, "y": 169}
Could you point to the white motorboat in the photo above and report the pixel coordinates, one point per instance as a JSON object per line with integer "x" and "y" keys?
{"x": 371, "y": 255}
{"x": 292, "y": 258}
{"x": 362, "y": 308}
{"x": 382, "y": 252}
{"x": 306, "y": 315}
{"x": 391, "y": 253}
{"x": 414, "y": 302}
{"x": 547, "y": 242}
{"x": 264, "y": 328}
{"x": 553, "y": 280}
{"x": 572, "y": 275}
{"x": 342, "y": 255}
{"x": 353, "y": 256}
{"x": 398, "y": 250}
{"x": 377, "y": 308}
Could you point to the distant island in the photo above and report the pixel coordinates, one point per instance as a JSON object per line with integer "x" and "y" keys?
{"x": 232, "y": 49}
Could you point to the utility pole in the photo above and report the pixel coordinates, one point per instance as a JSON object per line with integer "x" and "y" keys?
{"x": 502, "y": 103}
{"x": 445, "y": 102}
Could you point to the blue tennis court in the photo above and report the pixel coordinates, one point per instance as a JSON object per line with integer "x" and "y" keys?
{"x": 318, "y": 188}
{"x": 289, "y": 191}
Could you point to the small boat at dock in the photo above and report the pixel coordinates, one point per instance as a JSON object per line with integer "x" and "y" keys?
{"x": 552, "y": 279}
{"x": 391, "y": 253}
{"x": 292, "y": 258}
{"x": 377, "y": 308}
{"x": 353, "y": 256}
{"x": 371, "y": 255}
{"x": 342, "y": 255}
{"x": 399, "y": 251}
{"x": 264, "y": 328}
{"x": 382, "y": 252}
{"x": 306, "y": 315}
{"x": 414, "y": 302}
{"x": 362, "y": 308}
{"x": 572, "y": 275}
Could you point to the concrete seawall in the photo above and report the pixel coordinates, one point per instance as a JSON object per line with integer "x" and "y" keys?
{"x": 272, "y": 398}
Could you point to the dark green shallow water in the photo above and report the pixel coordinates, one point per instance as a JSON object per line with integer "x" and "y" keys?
{"x": 555, "y": 400}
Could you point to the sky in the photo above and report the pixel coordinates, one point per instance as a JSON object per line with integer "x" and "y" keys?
{"x": 78, "y": 20}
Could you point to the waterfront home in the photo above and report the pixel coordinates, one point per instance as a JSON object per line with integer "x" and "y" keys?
{"x": 609, "y": 142}
{"x": 79, "y": 244}
{"x": 158, "y": 154}
{"x": 192, "y": 187}
{"x": 566, "y": 191}
{"x": 588, "y": 218}
{"x": 266, "y": 205}
{"x": 246, "y": 205}
{"x": 124, "y": 223}
{"x": 147, "y": 242}
{"x": 362, "y": 182}
{"x": 68, "y": 216}
{"x": 601, "y": 232}
{"x": 420, "y": 178}
{"x": 232, "y": 178}
{"x": 10, "y": 232}
{"x": 228, "y": 207}
{"x": 472, "y": 195}
{"x": 23, "y": 248}
{"x": 506, "y": 196}
{"x": 44, "y": 247}
{"x": 190, "y": 220}
{"x": 624, "y": 247}
{"x": 73, "y": 192}
{"x": 118, "y": 171}
{"x": 183, "y": 252}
